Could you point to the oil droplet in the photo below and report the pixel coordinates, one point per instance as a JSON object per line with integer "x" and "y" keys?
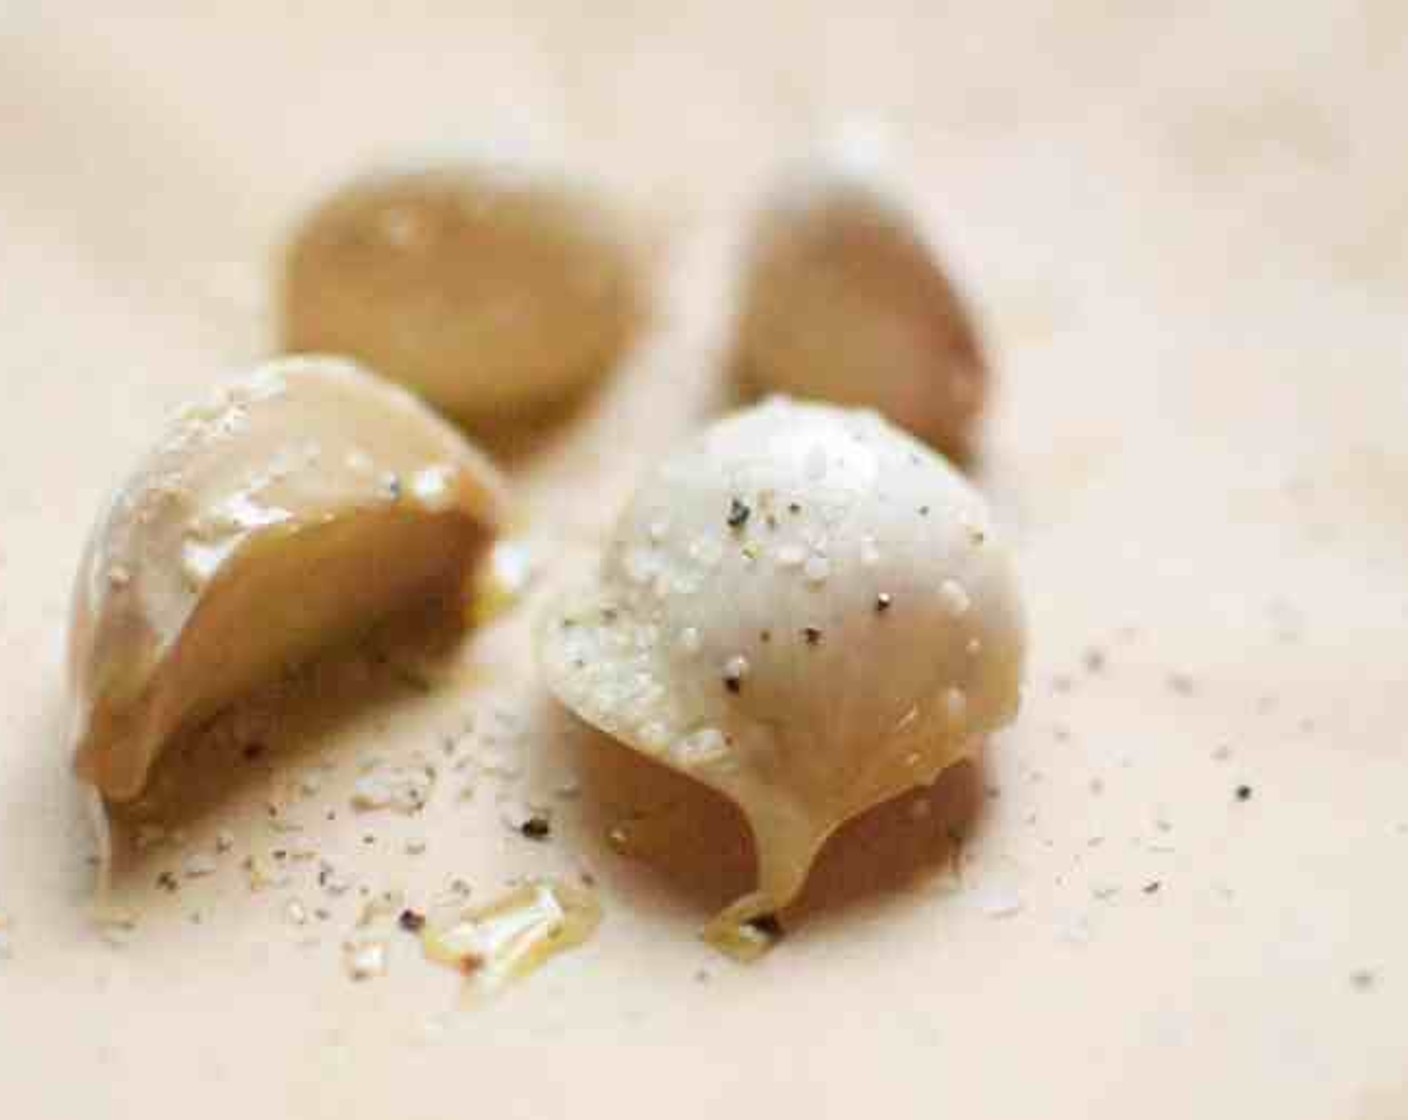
{"x": 503, "y": 578}
{"x": 515, "y": 935}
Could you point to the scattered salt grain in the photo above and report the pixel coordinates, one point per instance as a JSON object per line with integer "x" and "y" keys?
{"x": 999, "y": 902}
{"x": 199, "y": 864}
{"x": 303, "y": 849}
{"x": 817, "y": 569}
{"x": 401, "y": 788}
{"x": 364, "y": 960}
{"x": 380, "y": 906}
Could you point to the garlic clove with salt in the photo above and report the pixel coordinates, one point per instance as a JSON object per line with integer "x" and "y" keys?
{"x": 296, "y": 505}
{"x": 803, "y": 608}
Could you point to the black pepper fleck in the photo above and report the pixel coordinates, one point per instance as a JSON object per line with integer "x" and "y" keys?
{"x": 411, "y": 921}
{"x": 733, "y": 684}
{"x": 794, "y": 507}
{"x": 536, "y": 828}
{"x": 738, "y": 514}
{"x": 923, "y": 511}
{"x": 1152, "y": 887}
{"x": 812, "y": 634}
{"x": 167, "y": 881}
{"x": 252, "y": 751}
{"x": 765, "y": 635}
{"x": 1244, "y": 793}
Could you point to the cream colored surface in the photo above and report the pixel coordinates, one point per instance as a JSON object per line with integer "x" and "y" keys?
{"x": 1186, "y": 234}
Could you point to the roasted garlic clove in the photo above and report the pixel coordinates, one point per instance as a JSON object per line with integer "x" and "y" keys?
{"x": 805, "y": 609}
{"x": 298, "y": 504}
{"x": 489, "y": 289}
{"x": 843, "y": 300}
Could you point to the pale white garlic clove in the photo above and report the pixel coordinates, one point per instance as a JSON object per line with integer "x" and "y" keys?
{"x": 295, "y": 506}
{"x": 805, "y": 609}
{"x": 844, "y": 300}
{"x": 491, "y": 289}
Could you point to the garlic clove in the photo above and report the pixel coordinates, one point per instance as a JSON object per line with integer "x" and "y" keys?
{"x": 844, "y": 300}
{"x": 295, "y": 506}
{"x": 775, "y": 615}
{"x": 488, "y": 288}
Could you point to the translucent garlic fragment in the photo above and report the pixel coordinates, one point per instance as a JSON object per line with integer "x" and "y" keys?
{"x": 844, "y": 300}
{"x": 805, "y": 702}
{"x": 249, "y": 541}
{"x": 487, "y": 287}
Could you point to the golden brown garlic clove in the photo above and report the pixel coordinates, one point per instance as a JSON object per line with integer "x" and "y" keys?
{"x": 805, "y": 609}
{"x": 296, "y": 505}
{"x": 843, "y": 300}
{"x": 487, "y": 288}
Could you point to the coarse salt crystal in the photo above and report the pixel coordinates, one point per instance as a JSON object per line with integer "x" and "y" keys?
{"x": 365, "y": 960}
{"x": 199, "y": 864}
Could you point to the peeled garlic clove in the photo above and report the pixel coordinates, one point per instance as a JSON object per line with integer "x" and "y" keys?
{"x": 844, "y": 301}
{"x": 805, "y": 609}
{"x": 298, "y": 504}
{"x": 487, "y": 288}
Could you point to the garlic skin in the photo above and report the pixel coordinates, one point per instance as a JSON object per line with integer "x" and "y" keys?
{"x": 294, "y": 506}
{"x": 805, "y": 609}
{"x": 492, "y": 289}
{"x": 844, "y": 301}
